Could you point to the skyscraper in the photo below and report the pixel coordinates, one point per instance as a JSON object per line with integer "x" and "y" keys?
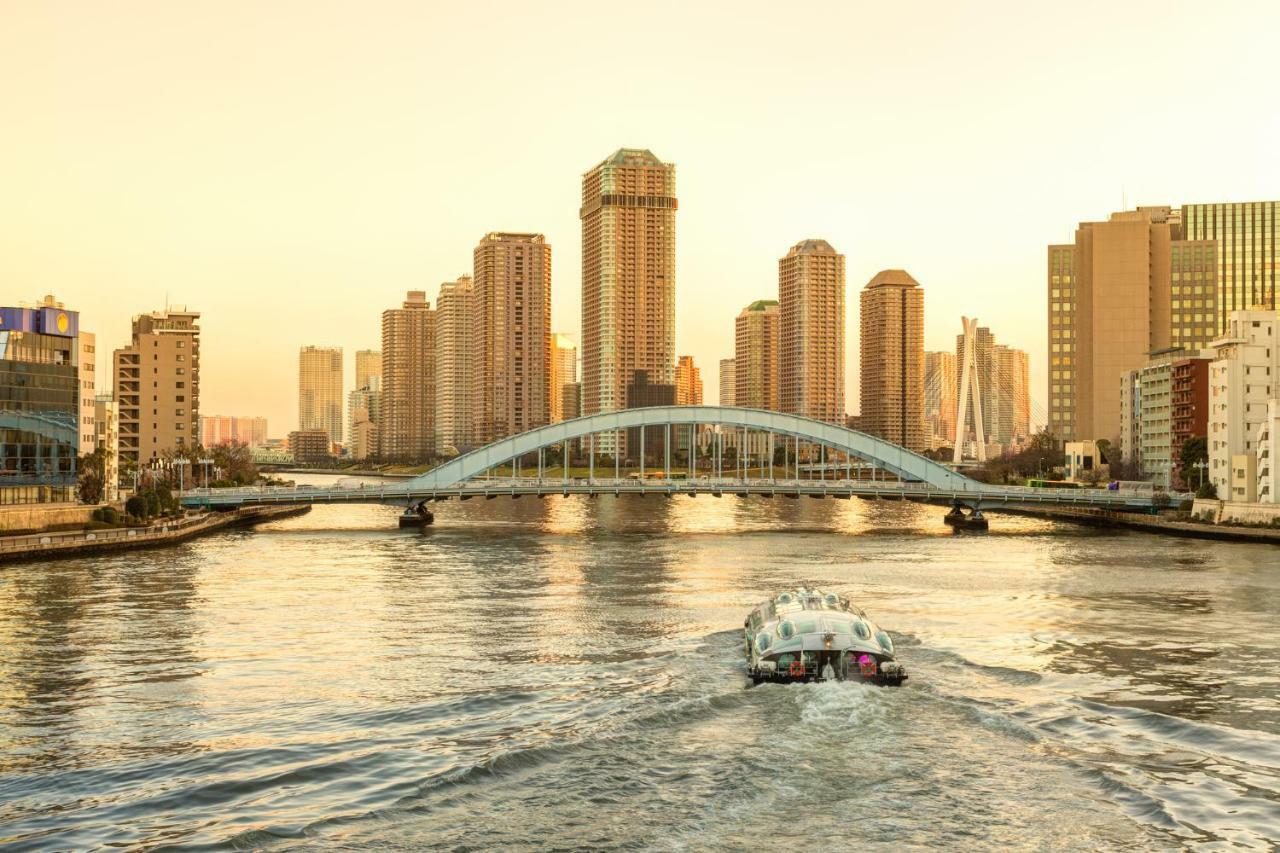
{"x": 940, "y": 383}
{"x": 513, "y": 335}
{"x": 368, "y": 365}
{"x": 406, "y": 429}
{"x": 1012, "y": 395}
{"x": 728, "y": 382}
{"x": 1248, "y": 254}
{"x": 628, "y": 218}
{"x": 755, "y": 355}
{"x": 1127, "y": 287}
{"x": 457, "y": 363}
{"x": 564, "y": 378}
{"x": 893, "y": 359}
{"x": 320, "y": 390}
{"x": 688, "y": 382}
{"x": 157, "y": 384}
{"x": 811, "y": 332}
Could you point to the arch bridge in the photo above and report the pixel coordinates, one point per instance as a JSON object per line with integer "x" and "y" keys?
{"x": 684, "y": 453}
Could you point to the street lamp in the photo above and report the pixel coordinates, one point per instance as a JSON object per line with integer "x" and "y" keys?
{"x": 179, "y": 463}
{"x": 206, "y": 462}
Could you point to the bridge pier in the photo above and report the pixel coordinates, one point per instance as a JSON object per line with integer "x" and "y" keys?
{"x": 417, "y": 515}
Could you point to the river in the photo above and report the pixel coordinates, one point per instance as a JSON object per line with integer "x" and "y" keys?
{"x": 568, "y": 674}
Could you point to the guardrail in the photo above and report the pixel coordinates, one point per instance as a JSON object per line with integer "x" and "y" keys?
{"x": 84, "y": 537}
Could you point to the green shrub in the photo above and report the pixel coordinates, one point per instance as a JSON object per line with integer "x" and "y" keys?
{"x": 96, "y": 515}
{"x": 109, "y": 515}
{"x": 136, "y": 506}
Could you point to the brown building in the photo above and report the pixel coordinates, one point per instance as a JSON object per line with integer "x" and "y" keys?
{"x": 406, "y": 417}
{"x": 310, "y": 446}
{"x": 368, "y": 366}
{"x": 320, "y": 396}
{"x": 1012, "y": 397}
{"x": 628, "y": 279}
{"x": 811, "y": 332}
{"x": 688, "y": 382}
{"x": 893, "y": 359}
{"x": 1189, "y": 401}
{"x": 157, "y": 385}
{"x": 512, "y": 337}
{"x": 757, "y": 341}
{"x": 1125, "y": 288}
{"x": 728, "y": 382}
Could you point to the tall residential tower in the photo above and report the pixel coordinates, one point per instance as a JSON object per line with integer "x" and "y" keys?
{"x": 893, "y": 359}
{"x": 320, "y": 390}
{"x": 811, "y": 332}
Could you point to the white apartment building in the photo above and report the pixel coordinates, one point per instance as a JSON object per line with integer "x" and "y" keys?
{"x": 1268, "y": 445}
{"x": 1155, "y": 422}
{"x": 1242, "y": 382}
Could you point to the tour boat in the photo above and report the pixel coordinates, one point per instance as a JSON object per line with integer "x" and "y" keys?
{"x": 807, "y": 635}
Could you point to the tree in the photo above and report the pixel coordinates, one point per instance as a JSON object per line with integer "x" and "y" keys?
{"x": 93, "y": 477}
{"x": 1194, "y": 451}
{"x": 235, "y": 462}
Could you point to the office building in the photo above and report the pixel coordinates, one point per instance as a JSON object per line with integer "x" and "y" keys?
{"x": 456, "y": 366}
{"x": 1247, "y": 261}
{"x": 311, "y": 446}
{"x": 893, "y": 359}
{"x": 513, "y": 335}
{"x": 40, "y": 401}
{"x": 1012, "y": 398}
{"x": 157, "y": 385}
{"x": 811, "y": 332}
{"x": 1131, "y": 417}
{"x": 757, "y": 341}
{"x": 688, "y": 382}
{"x": 406, "y": 427}
{"x": 628, "y": 218}
{"x": 320, "y": 395}
{"x": 564, "y": 378}
{"x": 940, "y": 384}
{"x": 1125, "y": 288}
{"x": 728, "y": 382}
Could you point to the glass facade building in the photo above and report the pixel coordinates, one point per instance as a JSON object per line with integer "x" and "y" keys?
{"x": 1248, "y": 261}
{"x": 39, "y": 404}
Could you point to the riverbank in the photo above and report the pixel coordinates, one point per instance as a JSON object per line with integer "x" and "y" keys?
{"x": 77, "y": 543}
{"x": 1148, "y": 523}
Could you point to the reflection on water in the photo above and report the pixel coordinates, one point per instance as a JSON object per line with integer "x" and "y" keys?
{"x": 567, "y": 672}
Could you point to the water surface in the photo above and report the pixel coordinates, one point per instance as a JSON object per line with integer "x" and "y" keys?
{"x": 567, "y": 673}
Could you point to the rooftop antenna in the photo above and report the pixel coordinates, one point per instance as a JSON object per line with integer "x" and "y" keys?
{"x": 1124, "y": 198}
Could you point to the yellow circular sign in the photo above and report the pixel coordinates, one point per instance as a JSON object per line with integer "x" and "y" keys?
{"x": 63, "y": 323}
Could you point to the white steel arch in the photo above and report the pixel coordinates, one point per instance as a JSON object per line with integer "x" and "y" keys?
{"x": 898, "y": 460}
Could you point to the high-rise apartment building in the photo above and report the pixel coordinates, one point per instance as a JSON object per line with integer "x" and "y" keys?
{"x": 457, "y": 364}
{"x": 406, "y": 428}
{"x": 893, "y": 359}
{"x": 811, "y": 332}
{"x": 757, "y": 341}
{"x": 513, "y": 335}
{"x": 564, "y": 378}
{"x": 688, "y": 382}
{"x": 1125, "y": 288}
{"x": 728, "y": 382}
{"x": 320, "y": 396}
{"x": 106, "y": 429}
{"x": 984, "y": 365}
{"x": 225, "y": 429}
{"x": 363, "y": 407}
{"x": 940, "y": 384}
{"x": 1012, "y": 369}
{"x": 157, "y": 385}
{"x": 1247, "y": 235}
{"x": 628, "y": 218}
{"x": 368, "y": 366}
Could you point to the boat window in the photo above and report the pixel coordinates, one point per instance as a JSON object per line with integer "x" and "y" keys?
{"x": 762, "y": 641}
{"x": 785, "y": 598}
{"x": 786, "y": 630}
{"x": 883, "y": 639}
{"x": 860, "y": 628}
{"x": 831, "y": 600}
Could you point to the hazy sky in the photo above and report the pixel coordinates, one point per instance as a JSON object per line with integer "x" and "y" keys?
{"x": 290, "y": 169}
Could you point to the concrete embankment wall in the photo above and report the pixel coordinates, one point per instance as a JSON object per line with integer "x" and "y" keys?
{"x": 1230, "y": 512}
{"x": 26, "y": 517}
{"x": 1149, "y": 523}
{"x": 76, "y": 543}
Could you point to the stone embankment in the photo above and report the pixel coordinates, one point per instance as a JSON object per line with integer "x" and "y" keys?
{"x": 1149, "y": 523}
{"x": 76, "y": 543}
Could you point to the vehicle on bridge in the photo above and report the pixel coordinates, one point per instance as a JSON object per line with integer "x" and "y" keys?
{"x": 807, "y": 635}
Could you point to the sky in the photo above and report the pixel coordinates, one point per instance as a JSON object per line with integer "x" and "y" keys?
{"x": 291, "y": 169}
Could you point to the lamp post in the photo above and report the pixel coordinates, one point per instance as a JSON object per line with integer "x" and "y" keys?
{"x": 206, "y": 462}
{"x": 179, "y": 464}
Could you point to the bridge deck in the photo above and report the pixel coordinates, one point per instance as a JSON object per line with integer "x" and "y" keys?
{"x": 407, "y": 494}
